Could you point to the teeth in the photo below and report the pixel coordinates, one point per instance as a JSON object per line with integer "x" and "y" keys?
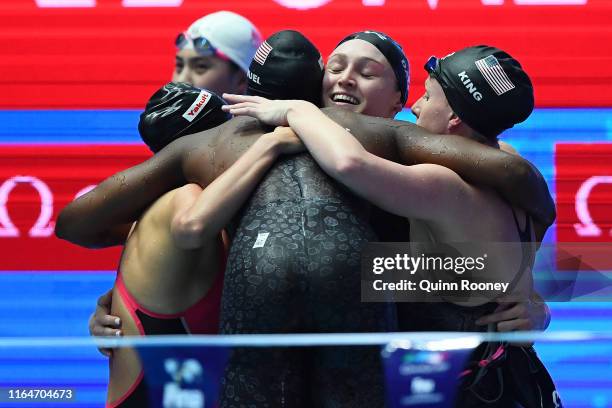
{"x": 345, "y": 98}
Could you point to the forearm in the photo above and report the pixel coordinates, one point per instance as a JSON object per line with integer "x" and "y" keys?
{"x": 217, "y": 204}
{"x": 93, "y": 219}
{"x": 113, "y": 236}
{"x": 331, "y": 145}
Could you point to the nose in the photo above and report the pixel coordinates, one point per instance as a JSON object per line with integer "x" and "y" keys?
{"x": 184, "y": 76}
{"x": 346, "y": 78}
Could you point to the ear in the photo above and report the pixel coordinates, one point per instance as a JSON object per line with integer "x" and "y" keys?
{"x": 241, "y": 83}
{"x": 454, "y": 123}
{"x": 398, "y": 105}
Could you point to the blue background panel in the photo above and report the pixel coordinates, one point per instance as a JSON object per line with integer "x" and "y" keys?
{"x": 40, "y": 303}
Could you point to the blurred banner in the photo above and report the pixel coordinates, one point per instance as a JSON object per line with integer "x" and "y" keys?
{"x": 115, "y": 53}
{"x": 37, "y": 181}
{"x": 183, "y": 376}
{"x": 584, "y": 193}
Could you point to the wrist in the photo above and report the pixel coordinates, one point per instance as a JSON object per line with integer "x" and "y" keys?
{"x": 297, "y": 108}
{"x": 269, "y": 145}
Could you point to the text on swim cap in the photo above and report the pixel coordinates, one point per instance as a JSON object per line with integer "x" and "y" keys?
{"x": 253, "y": 77}
{"x": 469, "y": 85}
{"x": 197, "y": 106}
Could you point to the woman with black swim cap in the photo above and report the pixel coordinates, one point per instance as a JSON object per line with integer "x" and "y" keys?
{"x": 441, "y": 206}
{"x": 170, "y": 275}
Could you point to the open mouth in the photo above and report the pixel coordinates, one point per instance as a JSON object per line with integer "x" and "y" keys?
{"x": 344, "y": 98}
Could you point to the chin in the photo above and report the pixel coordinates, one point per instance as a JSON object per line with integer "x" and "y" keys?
{"x": 352, "y": 108}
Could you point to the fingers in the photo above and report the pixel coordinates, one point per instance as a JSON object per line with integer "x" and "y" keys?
{"x": 243, "y": 111}
{"x": 510, "y": 317}
{"x": 102, "y": 323}
{"x": 514, "y": 325}
{"x": 97, "y": 329}
{"x": 236, "y": 105}
{"x": 233, "y": 98}
{"x": 106, "y": 299}
{"x": 510, "y": 311}
{"x": 110, "y": 321}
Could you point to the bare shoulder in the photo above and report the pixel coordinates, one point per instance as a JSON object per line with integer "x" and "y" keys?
{"x": 479, "y": 213}
{"x": 454, "y": 200}
{"x": 234, "y": 138}
{"x": 376, "y": 135}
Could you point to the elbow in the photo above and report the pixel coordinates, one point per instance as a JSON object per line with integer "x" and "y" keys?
{"x": 188, "y": 233}
{"x": 61, "y": 230}
{"x": 545, "y": 210}
{"x": 69, "y": 229}
{"x": 348, "y": 167}
{"x": 85, "y": 234}
{"x": 521, "y": 171}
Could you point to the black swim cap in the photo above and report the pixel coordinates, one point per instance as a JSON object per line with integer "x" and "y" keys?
{"x": 287, "y": 66}
{"x": 177, "y": 109}
{"x": 485, "y": 87}
{"x": 392, "y": 51}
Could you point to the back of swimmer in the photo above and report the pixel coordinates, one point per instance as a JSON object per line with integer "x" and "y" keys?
{"x": 171, "y": 272}
{"x": 143, "y": 297}
{"x": 293, "y": 266}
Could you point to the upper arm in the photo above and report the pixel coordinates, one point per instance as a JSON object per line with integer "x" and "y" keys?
{"x": 517, "y": 180}
{"x": 120, "y": 199}
{"x": 376, "y": 135}
{"x": 425, "y": 191}
{"x": 183, "y": 199}
{"x": 179, "y": 225}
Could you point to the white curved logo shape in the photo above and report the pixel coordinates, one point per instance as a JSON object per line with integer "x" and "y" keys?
{"x": 302, "y": 4}
{"x": 84, "y": 191}
{"x": 66, "y": 3}
{"x": 586, "y": 227}
{"x": 43, "y": 227}
{"x": 556, "y": 399}
{"x": 152, "y": 3}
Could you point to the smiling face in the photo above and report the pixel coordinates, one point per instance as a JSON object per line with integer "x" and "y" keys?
{"x": 209, "y": 72}
{"x": 359, "y": 78}
{"x": 433, "y": 111}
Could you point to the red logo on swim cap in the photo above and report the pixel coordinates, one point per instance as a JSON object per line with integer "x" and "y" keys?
{"x": 197, "y": 105}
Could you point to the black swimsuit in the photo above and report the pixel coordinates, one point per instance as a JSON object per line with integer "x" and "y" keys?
{"x": 498, "y": 375}
{"x": 294, "y": 266}
{"x": 451, "y": 317}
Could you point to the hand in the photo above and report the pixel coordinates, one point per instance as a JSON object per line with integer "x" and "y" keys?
{"x": 101, "y": 323}
{"x": 527, "y": 316}
{"x": 288, "y": 141}
{"x": 271, "y": 112}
